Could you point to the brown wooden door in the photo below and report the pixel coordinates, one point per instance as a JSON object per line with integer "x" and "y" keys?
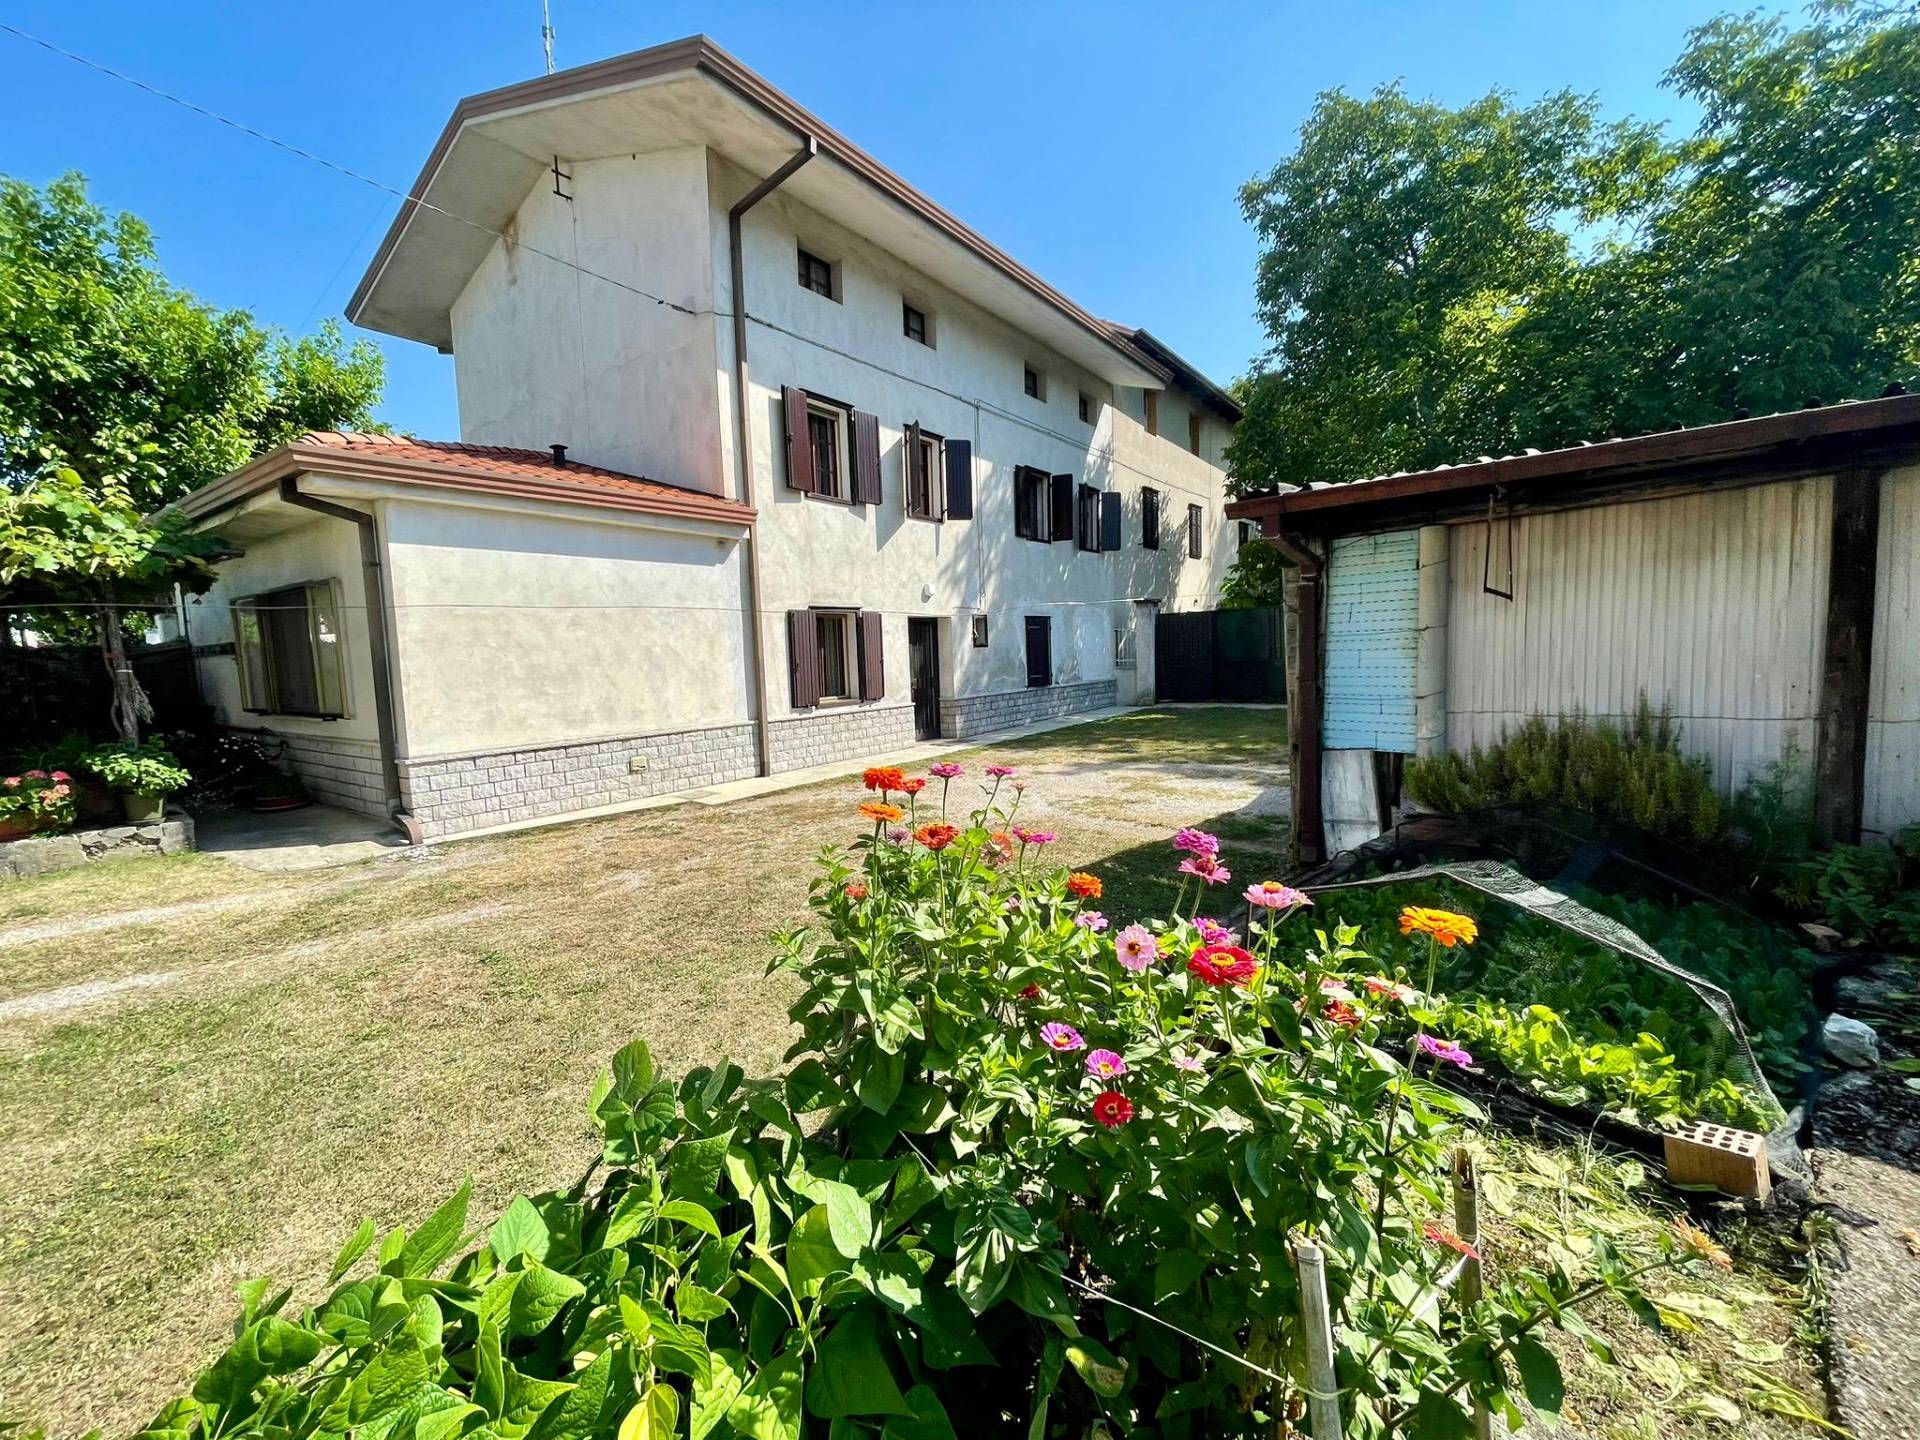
{"x": 923, "y": 666}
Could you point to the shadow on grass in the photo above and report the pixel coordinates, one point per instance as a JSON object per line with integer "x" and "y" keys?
{"x": 1212, "y": 734}
{"x": 1144, "y": 881}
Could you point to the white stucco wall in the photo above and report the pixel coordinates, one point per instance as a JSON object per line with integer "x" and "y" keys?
{"x": 517, "y": 626}
{"x": 544, "y": 354}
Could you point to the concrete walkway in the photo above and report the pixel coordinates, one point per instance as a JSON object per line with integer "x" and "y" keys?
{"x": 312, "y": 838}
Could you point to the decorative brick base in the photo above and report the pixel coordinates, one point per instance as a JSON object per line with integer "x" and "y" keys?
{"x": 840, "y": 733}
{"x": 345, "y": 773}
{"x": 981, "y": 714}
{"x": 473, "y": 792}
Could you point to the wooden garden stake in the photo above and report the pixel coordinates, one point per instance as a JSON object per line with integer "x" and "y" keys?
{"x": 1323, "y": 1398}
{"x": 1466, "y": 1224}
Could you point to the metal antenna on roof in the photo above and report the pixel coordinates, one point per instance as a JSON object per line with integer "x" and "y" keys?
{"x": 546, "y": 31}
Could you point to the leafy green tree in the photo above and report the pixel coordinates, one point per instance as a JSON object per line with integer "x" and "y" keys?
{"x": 120, "y": 392}
{"x": 1258, "y": 578}
{"x": 1440, "y": 283}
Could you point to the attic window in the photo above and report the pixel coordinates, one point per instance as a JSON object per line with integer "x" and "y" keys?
{"x": 915, "y": 324}
{"x": 817, "y": 275}
{"x": 1034, "y": 382}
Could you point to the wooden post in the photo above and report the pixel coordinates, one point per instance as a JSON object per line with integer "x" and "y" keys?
{"x": 1840, "y": 762}
{"x": 1466, "y": 1224}
{"x": 1323, "y": 1397}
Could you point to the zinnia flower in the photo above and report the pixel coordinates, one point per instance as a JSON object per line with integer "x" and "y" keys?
{"x": 1033, "y": 837}
{"x": 897, "y": 835}
{"x": 1191, "y": 1064}
{"x": 883, "y": 778}
{"x": 1091, "y": 920}
{"x": 1104, "y": 1064}
{"x": 1697, "y": 1243}
{"x": 913, "y": 785}
{"x": 1440, "y": 1235}
{"x": 1212, "y": 932}
{"x": 1087, "y": 887}
{"x": 1030, "y": 992}
{"x": 1341, "y": 1013}
{"x": 856, "y": 891}
{"x": 1219, "y": 965}
{"x": 1135, "y": 947}
{"x": 1335, "y": 989}
{"x": 1208, "y": 868}
{"x": 999, "y": 848}
{"x": 1197, "y": 842}
{"x": 1000, "y": 772}
{"x": 937, "y": 837}
{"x": 1444, "y": 1050}
{"x": 1272, "y": 895}
{"x": 947, "y": 770}
{"x": 1059, "y": 1036}
{"x": 1112, "y": 1109}
{"x": 881, "y": 813}
{"x": 1380, "y": 985}
{"x": 1443, "y": 925}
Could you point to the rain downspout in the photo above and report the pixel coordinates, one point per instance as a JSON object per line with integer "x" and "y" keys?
{"x": 743, "y": 437}
{"x": 377, "y": 646}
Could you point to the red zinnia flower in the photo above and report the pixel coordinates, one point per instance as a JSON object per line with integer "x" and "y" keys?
{"x": 1439, "y": 1235}
{"x": 1341, "y": 1013}
{"x": 856, "y": 891}
{"x": 884, "y": 778}
{"x": 913, "y": 786}
{"x": 1087, "y": 887}
{"x": 1112, "y": 1109}
{"x": 1031, "y": 992}
{"x": 936, "y": 837}
{"x": 1221, "y": 965}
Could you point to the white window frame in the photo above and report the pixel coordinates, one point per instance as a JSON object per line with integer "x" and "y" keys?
{"x": 848, "y": 692}
{"x": 326, "y": 644}
{"x": 841, "y": 418}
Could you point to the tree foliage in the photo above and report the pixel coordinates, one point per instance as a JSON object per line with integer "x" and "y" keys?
{"x": 1441, "y": 283}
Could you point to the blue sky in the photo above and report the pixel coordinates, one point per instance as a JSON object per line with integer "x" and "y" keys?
{"x": 1102, "y": 145}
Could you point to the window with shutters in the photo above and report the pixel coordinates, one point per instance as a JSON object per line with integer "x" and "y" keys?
{"x": 834, "y": 632}
{"x": 1150, "y": 518}
{"x": 1039, "y": 651}
{"x": 1086, "y": 529}
{"x": 1030, "y": 503}
{"x": 926, "y": 470}
{"x": 1193, "y": 531}
{"x": 830, "y": 446}
{"x": 818, "y": 275}
{"x": 290, "y": 651}
{"x": 1034, "y": 382}
{"x": 916, "y": 324}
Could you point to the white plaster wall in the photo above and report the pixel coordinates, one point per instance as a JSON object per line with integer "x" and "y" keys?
{"x": 518, "y": 627}
{"x": 969, "y": 385}
{"x": 544, "y": 354}
{"x": 308, "y": 549}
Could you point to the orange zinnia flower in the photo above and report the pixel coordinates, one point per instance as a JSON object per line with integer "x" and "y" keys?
{"x": 1443, "y": 925}
{"x": 1086, "y": 886}
{"x": 913, "y": 786}
{"x": 881, "y": 813}
{"x": 936, "y": 837}
{"x": 883, "y": 778}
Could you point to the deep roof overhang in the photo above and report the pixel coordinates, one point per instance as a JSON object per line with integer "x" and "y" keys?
{"x": 498, "y": 144}
{"x": 1798, "y": 442}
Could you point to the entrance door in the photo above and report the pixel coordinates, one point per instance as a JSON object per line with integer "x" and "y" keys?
{"x": 923, "y": 666}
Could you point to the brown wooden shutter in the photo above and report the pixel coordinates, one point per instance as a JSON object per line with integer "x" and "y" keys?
{"x": 910, "y": 461}
{"x": 1150, "y": 519}
{"x": 803, "y": 649}
{"x": 793, "y": 405}
{"x": 1193, "y": 531}
{"x": 1039, "y": 651}
{"x": 873, "y": 672}
{"x": 1110, "y": 520}
{"x": 1061, "y": 527}
{"x": 960, "y": 480}
{"x": 866, "y": 458}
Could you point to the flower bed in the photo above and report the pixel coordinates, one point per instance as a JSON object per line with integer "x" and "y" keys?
{"x": 1035, "y": 1170}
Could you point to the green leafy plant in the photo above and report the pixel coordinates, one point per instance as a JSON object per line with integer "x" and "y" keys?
{"x": 1869, "y": 892}
{"x": 145, "y": 769}
{"x": 37, "y": 800}
{"x": 1632, "y": 774}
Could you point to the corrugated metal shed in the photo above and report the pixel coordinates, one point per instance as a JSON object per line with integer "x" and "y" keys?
{"x": 1373, "y": 596}
{"x": 1713, "y": 602}
{"x": 1892, "y": 797}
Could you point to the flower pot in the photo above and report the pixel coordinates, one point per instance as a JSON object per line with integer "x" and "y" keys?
{"x": 92, "y": 799}
{"x": 142, "y": 806}
{"x": 267, "y": 804}
{"x": 13, "y": 827}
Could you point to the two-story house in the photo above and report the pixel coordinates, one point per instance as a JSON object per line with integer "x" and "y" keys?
{"x": 766, "y": 460}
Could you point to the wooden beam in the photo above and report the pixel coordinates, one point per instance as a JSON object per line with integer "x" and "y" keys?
{"x": 1841, "y": 761}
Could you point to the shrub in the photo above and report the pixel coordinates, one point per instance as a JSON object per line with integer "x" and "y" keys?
{"x": 1868, "y": 892}
{"x": 1634, "y": 774}
{"x": 146, "y": 769}
{"x": 1022, "y": 1164}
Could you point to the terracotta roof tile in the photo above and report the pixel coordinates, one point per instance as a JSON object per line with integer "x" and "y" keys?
{"x": 501, "y": 460}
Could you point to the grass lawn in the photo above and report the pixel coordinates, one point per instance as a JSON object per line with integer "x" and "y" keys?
{"x": 261, "y": 1061}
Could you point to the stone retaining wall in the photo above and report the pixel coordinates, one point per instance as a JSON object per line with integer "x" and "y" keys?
{"x": 44, "y": 854}
{"x": 979, "y": 714}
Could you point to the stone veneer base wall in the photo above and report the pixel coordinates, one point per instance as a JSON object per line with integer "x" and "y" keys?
{"x": 965, "y": 715}
{"x": 345, "y": 773}
{"x": 44, "y": 854}
{"x": 473, "y": 792}
{"x": 839, "y": 733}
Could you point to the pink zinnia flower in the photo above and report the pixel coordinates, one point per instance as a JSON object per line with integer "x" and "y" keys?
{"x": 1000, "y": 772}
{"x": 1212, "y": 931}
{"x": 1033, "y": 837}
{"x": 1336, "y": 990}
{"x": 1104, "y": 1064}
{"x": 1058, "y": 1036}
{"x": 1440, "y": 1235}
{"x": 1208, "y": 868}
{"x": 1272, "y": 895}
{"x": 1191, "y": 1064}
{"x": 1091, "y": 920}
{"x": 947, "y": 770}
{"x": 1444, "y": 1050}
{"x": 1135, "y": 947}
{"x": 1379, "y": 985}
{"x": 1197, "y": 842}
{"x": 898, "y": 834}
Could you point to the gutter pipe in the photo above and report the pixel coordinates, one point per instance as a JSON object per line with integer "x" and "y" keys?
{"x": 377, "y": 644}
{"x": 743, "y": 437}
{"x": 1309, "y": 826}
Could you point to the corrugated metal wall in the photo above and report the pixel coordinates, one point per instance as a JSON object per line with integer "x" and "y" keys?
{"x": 1893, "y": 702}
{"x": 1373, "y": 603}
{"x": 1715, "y": 603}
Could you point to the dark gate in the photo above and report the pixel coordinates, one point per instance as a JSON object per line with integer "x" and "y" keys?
{"x": 1237, "y": 656}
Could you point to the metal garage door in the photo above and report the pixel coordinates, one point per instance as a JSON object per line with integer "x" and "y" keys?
{"x": 1373, "y": 606}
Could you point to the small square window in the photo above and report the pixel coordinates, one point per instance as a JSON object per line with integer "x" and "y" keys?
{"x": 1087, "y": 408}
{"x": 915, "y": 325}
{"x": 816, "y": 275}
{"x": 979, "y": 632}
{"x": 1035, "y": 384}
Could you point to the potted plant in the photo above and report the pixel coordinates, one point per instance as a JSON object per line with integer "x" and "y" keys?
{"x": 276, "y": 790}
{"x": 93, "y": 798}
{"x": 35, "y": 800}
{"x": 143, "y": 774}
